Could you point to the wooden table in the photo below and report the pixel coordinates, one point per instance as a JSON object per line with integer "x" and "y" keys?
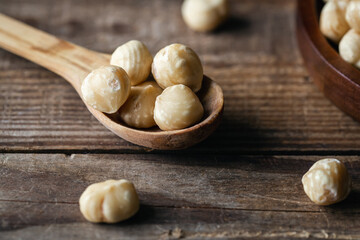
{"x": 242, "y": 182}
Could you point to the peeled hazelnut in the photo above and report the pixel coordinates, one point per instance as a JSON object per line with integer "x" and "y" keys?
{"x": 109, "y": 202}
{"x": 353, "y": 14}
{"x": 177, "y": 108}
{"x": 340, "y": 1}
{"x": 349, "y": 47}
{"x": 106, "y": 88}
{"x": 204, "y": 15}
{"x": 135, "y": 59}
{"x": 177, "y": 64}
{"x": 327, "y": 182}
{"x": 138, "y": 110}
{"x": 332, "y": 20}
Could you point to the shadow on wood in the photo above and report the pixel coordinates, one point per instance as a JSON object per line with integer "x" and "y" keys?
{"x": 350, "y": 204}
{"x": 244, "y": 135}
{"x": 233, "y": 24}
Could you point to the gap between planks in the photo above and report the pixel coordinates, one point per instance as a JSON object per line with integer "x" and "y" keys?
{"x": 185, "y": 152}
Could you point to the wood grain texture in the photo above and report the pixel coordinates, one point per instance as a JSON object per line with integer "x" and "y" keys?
{"x": 270, "y": 103}
{"x": 254, "y": 197}
{"x": 241, "y": 183}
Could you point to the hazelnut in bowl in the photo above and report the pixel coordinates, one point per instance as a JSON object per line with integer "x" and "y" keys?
{"x": 319, "y": 42}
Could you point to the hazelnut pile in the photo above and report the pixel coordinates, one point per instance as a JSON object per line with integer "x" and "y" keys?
{"x": 124, "y": 87}
{"x": 340, "y": 22}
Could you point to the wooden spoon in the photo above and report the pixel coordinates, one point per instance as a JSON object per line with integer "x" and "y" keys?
{"x": 73, "y": 63}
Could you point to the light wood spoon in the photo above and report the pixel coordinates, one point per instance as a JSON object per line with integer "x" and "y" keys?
{"x": 73, "y": 63}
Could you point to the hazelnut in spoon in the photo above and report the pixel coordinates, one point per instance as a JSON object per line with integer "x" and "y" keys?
{"x": 74, "y": 63}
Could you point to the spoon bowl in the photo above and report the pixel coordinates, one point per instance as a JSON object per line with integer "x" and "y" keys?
{"x": 73, "y": 63}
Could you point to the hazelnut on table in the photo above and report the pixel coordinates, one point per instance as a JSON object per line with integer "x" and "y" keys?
{"x": 138, "y": 110}
{"x": 327, "y": 182}
{"x": 106, "y": 88}
{"x": 177, "y": 107}
{"x": 135, "y": 59}
{"x": 109, "y": 202}
{"x": 204, "y": 15}
{"x": 177, "y": 64}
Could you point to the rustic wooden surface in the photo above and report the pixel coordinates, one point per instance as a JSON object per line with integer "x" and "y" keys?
{"x": 242, "y": 182}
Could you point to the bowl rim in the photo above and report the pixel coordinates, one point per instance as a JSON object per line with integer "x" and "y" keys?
{"x": 309, "y": 18}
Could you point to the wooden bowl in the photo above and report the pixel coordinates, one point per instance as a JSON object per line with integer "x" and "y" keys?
{"x": 337, "y": 79}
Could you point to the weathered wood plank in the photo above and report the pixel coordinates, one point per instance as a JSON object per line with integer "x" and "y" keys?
{"x": 271, "y": 105}
{"x": 64, "y": 222}
{"x": 205, "y": 196}
{"x": 251, "y": 183}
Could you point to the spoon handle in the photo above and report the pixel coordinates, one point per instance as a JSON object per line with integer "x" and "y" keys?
{"x": 68, "y": 60}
